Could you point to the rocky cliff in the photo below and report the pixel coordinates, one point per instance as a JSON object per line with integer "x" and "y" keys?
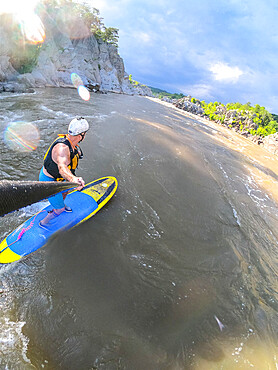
{"x": 97, "y": 63}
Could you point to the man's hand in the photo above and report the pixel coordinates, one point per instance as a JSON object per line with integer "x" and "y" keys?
{"x": 80, "y": 181}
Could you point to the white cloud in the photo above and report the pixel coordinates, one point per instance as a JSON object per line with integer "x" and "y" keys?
{"x": 200, "y": 91}
{"x": 224, "y": 73}
{"x": 170, "y": 12}
{"x": 143, "y": 36}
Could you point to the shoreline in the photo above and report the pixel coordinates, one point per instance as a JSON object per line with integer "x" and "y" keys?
{"x": 212, "y": 124}
{"x": 269, "y": 147}
{"x": 266, "y": 178}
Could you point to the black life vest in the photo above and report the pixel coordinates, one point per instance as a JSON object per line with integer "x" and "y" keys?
{"x": 52, "y": 167}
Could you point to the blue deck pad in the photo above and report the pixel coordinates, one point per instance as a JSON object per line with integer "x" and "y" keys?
{"x": 82, "y": 205}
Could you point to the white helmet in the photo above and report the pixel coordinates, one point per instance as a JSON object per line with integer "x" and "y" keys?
{"x": 78, "y": 126}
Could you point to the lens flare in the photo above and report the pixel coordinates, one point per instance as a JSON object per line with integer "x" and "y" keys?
{"x": 32, "y": 27}
{"x": 78, "y": 84}
{"x": 22, "y": 136}
{"x": 76, "y": 80}
{"x": 75, "y": 26}
{"x": 24, "y": 15}
{"x": 83, "y": 93}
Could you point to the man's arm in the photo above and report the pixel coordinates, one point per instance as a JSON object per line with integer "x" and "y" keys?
{"x": 61, "y": 156}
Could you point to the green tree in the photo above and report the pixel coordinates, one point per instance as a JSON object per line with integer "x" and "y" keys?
{"x": 110, "y": 35}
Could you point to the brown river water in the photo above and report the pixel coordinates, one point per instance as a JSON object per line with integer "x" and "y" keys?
{"x": 178, "y": 271}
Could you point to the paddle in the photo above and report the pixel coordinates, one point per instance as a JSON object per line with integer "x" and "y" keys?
{"x": 17, "y": 194}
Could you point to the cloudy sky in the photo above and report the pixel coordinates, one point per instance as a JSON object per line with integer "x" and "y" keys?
{"x": 224, "y": 50}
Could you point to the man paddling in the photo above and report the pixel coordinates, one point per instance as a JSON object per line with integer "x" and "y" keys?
{"x": 60, "y": 162}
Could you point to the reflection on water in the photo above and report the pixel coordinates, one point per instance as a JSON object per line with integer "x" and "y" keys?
{"x": 178, "y": 271}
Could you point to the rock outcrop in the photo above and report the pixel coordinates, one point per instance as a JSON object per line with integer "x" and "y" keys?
{"x": 97, "y": 63}
{"x": 188, "y": 105}
{"x": 270, "y": 143}
{"x": 237, "y": 120}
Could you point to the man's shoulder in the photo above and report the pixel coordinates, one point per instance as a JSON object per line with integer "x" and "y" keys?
{"x": 61, "y": 147}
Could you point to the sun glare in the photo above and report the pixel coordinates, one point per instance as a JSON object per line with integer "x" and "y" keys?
{"x": 31, "y": 25}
